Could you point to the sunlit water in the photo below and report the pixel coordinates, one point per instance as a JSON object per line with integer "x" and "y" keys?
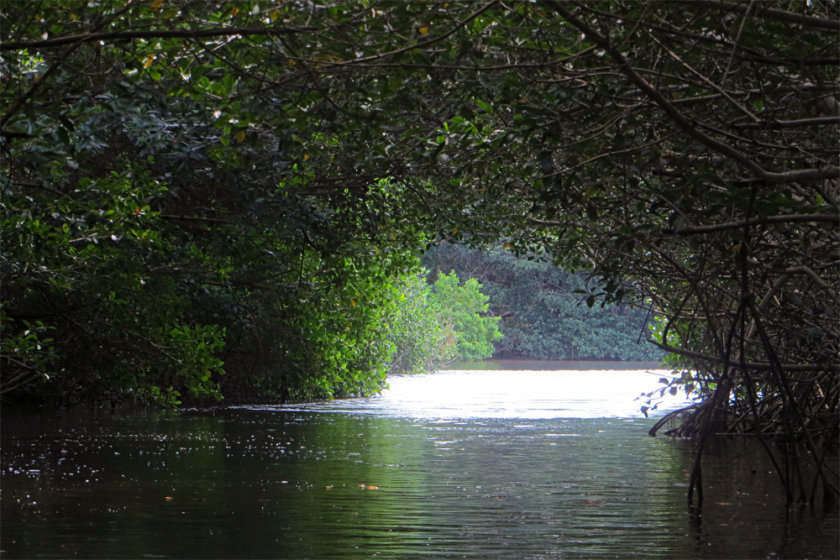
{"x": 529, "y": 394}
{"x": 460, "y": 464}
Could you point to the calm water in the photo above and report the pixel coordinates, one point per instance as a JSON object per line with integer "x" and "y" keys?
{"x": 459, "y": 464}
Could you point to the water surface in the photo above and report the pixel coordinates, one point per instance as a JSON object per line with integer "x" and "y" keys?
{"x": 459, "y": 464}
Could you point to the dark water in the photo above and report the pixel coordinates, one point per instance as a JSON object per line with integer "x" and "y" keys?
{"x": 500, "y": 464}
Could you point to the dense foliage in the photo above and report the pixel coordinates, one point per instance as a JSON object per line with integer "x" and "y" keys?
{"x": 422, "y": 340}
{"x": 464, "y": 308}
{"x": 543, "y": 313}
{"x": 153, "y": 240}
{"x": 441, "y": 322}
{"x": 179, "y": 175}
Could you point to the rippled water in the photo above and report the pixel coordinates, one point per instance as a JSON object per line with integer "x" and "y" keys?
{"x": 461, "y": 464}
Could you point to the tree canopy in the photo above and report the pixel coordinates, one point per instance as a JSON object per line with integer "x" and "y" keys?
{"x": 184, "y": 175}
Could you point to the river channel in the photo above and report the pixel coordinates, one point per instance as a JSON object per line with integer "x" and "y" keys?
{"x": 492, "y": 463}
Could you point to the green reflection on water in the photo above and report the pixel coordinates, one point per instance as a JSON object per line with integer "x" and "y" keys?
{"x": 308, "y": 485}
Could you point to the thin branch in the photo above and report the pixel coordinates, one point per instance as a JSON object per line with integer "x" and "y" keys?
{"x": 763, "y": 220}
{"x": 735, "y": 43}
{"x": 553, "y": 223}
{"x": 206, "y": 219}
{"x": 770, "y": 13}
{"x": 772, "y": 124}
{"x": 705, "y": 79}
{"x": 152, "y": 34}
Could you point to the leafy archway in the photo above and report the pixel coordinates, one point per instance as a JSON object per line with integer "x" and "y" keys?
{"x": 185, "y": 173}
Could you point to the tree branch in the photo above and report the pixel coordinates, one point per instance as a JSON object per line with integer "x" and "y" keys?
{"x": 686, "y": 124}
{"x": 771, "y": 13}
{"x": 763, "y": 220}
{"x": 772, "y": 124}
{"x": 151, "y": 34}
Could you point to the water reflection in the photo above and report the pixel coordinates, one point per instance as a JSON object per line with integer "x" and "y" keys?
{"x": 338, "y": 482}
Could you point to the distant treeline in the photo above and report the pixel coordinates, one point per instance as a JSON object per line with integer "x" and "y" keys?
{"x": 544, "y": 314}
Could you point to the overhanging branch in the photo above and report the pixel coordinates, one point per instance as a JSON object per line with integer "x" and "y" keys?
{"x": 763, "y": 220}
{"x": 771, "y": 124}
{"x": 770, "y": 13}
{"x": 151, "y": 34}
